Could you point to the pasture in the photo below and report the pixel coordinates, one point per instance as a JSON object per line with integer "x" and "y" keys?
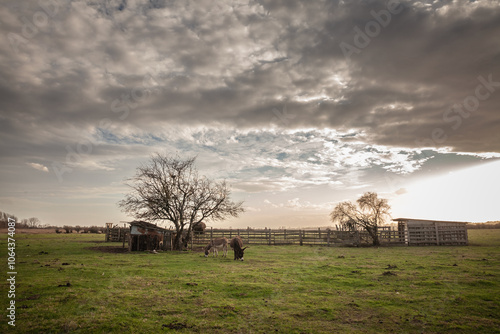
{"x": 72, "y": 283}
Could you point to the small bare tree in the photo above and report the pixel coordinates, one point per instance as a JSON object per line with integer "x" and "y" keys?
{"x": 170, "y": 189}
{"x": 369, "y": 214}
{"x": 33, "y": 222}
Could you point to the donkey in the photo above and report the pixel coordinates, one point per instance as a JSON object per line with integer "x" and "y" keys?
{"x": 215, "y": 244}
{"x": 237, "y": 244}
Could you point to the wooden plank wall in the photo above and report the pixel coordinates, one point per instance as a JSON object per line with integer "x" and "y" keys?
{"x": 436, "y": 233}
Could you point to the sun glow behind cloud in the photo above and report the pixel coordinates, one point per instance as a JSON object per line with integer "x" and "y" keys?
{"x": 470, "y": 194}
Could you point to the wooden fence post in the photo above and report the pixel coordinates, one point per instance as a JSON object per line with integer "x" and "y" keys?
{"x": 437, "y": 233}
{"x": 300, "y": 237}
{"x": 328, "y": 237}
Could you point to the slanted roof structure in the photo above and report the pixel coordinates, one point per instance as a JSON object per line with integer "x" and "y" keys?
{"x": 411, "y": 220}
{"x": 148, "y": 226}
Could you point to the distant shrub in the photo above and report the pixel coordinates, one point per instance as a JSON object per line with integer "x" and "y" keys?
{"x": 93, "y": 229}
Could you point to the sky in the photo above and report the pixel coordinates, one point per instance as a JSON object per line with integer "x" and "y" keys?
{"x": 298, "y": 105}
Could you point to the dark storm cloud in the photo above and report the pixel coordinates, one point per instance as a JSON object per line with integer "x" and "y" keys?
{"x": 143, "y": 65}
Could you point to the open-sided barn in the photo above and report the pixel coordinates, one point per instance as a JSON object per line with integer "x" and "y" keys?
{"x": 432, "y": 232}
{"x": 147, "y": 236}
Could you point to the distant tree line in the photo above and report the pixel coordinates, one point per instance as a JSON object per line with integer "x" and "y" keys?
{"x": 487, "y": 225}
{"x": 80, "y": 229}
{"x": 34, "y": 222}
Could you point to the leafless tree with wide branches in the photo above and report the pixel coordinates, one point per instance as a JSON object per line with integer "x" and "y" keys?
{"x": 170, "y": 189}
{"x": 369, "y": 213}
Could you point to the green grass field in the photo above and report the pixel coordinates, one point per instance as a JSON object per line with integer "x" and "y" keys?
{"x": 282, "y": 289}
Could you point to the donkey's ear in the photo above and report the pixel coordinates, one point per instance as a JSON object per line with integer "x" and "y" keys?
{"x": 244, "y": 248}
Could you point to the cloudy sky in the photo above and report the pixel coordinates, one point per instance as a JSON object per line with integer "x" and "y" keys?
{"x": 297, "y": 104}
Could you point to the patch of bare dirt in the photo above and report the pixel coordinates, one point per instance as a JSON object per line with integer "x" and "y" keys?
{"x": 109, "y": 249}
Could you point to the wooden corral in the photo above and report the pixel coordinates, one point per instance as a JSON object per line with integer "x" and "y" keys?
{"x": 320, "y": 237}
{"x": 115, "y": 233}
{"x": 146, "y": 236}
{"x": 409, "y": 232}
{"x": 432, "y": 232}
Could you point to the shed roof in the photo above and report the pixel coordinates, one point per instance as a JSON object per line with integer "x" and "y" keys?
{"x": 147, "y": 225}
{"x": 428, "y": 220}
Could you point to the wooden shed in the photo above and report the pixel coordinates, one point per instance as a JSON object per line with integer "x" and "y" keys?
{"x": 146, "y": 236}
{"x": 432, "y": 232}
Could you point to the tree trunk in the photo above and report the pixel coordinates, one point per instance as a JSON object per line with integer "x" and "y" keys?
{"x": 373, "y": 232}
{"x": 376, "y": 241}
{"x": 178, "y": 238}
{"x": 189, "y": 235}
{"x": 178, "y": 241}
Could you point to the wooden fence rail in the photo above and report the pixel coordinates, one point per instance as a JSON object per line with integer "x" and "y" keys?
{"x": 414, "y": 235}
{"x": 319, "y": 237}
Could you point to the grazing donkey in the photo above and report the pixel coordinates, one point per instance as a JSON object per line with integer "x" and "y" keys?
{"x": 237, "y": 245}
{"x": 215, "y": 244}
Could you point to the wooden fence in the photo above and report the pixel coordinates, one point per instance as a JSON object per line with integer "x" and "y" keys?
{"x": 117, "y": 234}
{"x": 438, "y": 234}
{"x": 319, "y": 237}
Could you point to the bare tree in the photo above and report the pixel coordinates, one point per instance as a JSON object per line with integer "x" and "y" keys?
{"x": 369, "y": 213}
{"x": 4, "y": 219}
{"x": 33, "y": 222}
{"x": 170, "y": 189}
{"x": 24, "y": 223}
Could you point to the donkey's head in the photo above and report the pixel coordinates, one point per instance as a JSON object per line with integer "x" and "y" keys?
{"x": 241, "y": 253}
{"x": 207, "y": 250}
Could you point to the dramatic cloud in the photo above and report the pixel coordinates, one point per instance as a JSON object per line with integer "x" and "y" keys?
{"x": 274, "y": 96}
